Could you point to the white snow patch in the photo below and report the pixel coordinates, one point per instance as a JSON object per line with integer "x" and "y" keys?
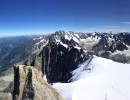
{"x": 34, "y": 38}
{"x": 76, "y": 35}
{"x": 106, "y": 80}
{"x": 75, "y": 39}
{"x": 93, "y": 33}
{"x": 89, "y": 42}
{"x": 67, "y": 37}
{"x": 40, "y": 37}
{"x": 37, "y": 43}
{"x": 58, "y": 41}
{"x": 45, "y": 78}
{"x": 39, "y": 50}
{"x": 43, "y": 40}
{"x": 80, "y": 69}
{"x": 77, "y": 47}
{"x": 66, "y": 46}
{"x": 124, "y": 52}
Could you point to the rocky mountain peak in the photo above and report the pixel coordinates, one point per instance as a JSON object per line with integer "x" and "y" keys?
{"x": 57, "y": 60}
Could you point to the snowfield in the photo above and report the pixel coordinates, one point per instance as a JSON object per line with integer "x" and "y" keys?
{"x": 97, "y": 79}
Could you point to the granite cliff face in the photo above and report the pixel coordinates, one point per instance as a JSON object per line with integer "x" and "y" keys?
{"x": 57, "y": 61}
{"x": 30, "y": 85}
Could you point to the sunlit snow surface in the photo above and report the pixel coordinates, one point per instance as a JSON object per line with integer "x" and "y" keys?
{"x": 101, "y": 79}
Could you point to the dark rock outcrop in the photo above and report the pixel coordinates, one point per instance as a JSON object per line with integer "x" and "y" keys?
{"x": 57, "y": 61}
{"x": 111, "y": 43}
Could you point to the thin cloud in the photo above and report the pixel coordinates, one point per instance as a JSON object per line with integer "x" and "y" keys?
{"x": 126, "y": 23}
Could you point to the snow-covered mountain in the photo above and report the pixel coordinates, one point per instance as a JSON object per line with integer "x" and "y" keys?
{"x": 108, "y": 45}
{"x": 82, "y": 40}
{"x": 97, "y": 79}
{"x": 56, "y": 55}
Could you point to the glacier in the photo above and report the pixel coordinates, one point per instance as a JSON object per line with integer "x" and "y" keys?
{"x": 97, "y": 79}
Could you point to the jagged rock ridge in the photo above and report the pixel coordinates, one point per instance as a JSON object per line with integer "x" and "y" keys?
{"x": 57, "y": 61}
{"x": 30, "y": 85}
{"x": 62, "y": 52}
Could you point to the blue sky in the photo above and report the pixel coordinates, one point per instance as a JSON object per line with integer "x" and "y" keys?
{"x": 21, "y": 17}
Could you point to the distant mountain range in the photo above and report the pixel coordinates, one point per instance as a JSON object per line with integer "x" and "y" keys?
{"x": 108, "y": 45}
{"x": 58, "y": 57}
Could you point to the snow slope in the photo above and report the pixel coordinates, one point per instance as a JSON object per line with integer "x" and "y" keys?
{"x": 97, "y": 79}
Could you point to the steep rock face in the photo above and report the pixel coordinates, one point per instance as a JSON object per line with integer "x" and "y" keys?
{"x": 57, "y": 61}
{"x": 30, "y": 85}
{"x": 111, "y": 43}
{"x": 114, "y": 46}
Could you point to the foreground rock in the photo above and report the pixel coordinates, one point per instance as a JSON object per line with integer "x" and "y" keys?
{"x": 6, "y": 88}
{"x": 30, "y": 85}
{"x": 5, "y": 81}
{"x": 5, "y": 96}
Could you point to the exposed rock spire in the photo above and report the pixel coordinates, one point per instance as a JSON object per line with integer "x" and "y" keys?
{"x": 30, "y": 85}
